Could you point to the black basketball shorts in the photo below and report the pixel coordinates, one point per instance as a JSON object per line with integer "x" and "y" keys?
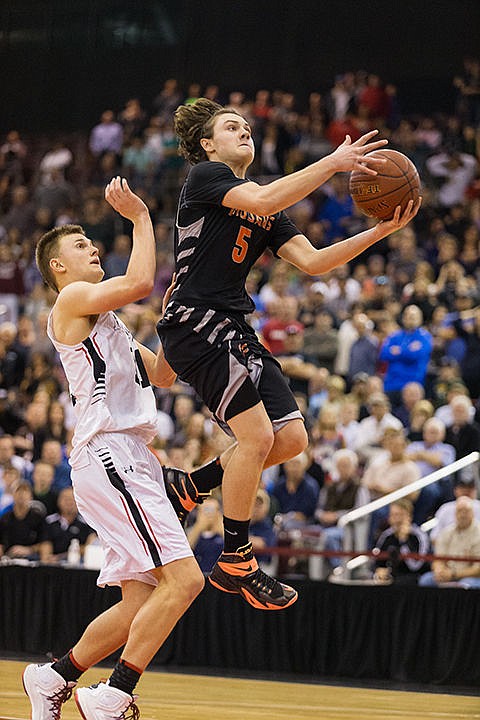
{"x": 220, "y": 356}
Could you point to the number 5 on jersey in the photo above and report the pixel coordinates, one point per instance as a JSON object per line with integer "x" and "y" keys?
{"x": 241, "y": 244}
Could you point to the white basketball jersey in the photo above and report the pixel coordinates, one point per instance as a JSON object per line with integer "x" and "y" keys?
{"x": 108, "y": 383}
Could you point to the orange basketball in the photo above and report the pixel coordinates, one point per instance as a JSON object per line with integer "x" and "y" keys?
{"x": 396, "y": 183}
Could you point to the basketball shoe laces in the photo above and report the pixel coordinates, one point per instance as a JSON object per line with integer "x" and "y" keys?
{"x": 132, "y": 709}
{"x": 58, "y": 698}
{"x": 259, "y": 579}
{"x": 133, "y": 713}
{"x": 265, "y": 583}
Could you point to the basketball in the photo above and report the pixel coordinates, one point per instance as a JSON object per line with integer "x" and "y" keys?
{"x": 396, "y": 183}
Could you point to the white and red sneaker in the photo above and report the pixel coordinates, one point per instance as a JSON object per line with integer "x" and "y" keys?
{"x": 102, "y": 702}
{"x": 47, "y": 691}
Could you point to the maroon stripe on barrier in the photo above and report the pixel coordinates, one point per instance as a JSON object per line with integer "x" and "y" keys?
{"x": 307, "y": 552}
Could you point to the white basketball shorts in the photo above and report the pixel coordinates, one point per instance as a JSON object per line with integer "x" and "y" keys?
{"x": 120, "y": 493}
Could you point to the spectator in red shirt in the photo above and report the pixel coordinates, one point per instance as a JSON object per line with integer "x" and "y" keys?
{"x": 284, "y": 314}
{"x": 374, "y": 98}
{"x": 338, "y": 129}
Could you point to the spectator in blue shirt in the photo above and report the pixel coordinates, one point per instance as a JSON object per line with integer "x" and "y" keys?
{"x": 337, "y": 208}
{"x": 297, "y": 493}
{"x": 407, "y": 352}
{"x": 431, "y": 454}
{"x": 206, "y": 534}
{"x": 106, "y": 136}
{"x": 52, "y": 454}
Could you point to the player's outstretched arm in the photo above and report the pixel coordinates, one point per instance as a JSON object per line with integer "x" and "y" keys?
{"x": 286, "y": 191}
{"x": 300, "y": 252}
{"x": 158, "y": 370}
{"x": 85, "y": 298}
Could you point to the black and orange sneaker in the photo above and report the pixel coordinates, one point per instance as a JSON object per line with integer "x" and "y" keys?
{"x": 181, "y": 492}
{"x": 239, "y": 573}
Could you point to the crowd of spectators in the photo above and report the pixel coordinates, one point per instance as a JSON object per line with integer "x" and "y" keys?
{"x": 382, "y": 354}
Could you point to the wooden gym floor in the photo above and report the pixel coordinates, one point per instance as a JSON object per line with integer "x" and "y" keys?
{"x": 184, "y": 697}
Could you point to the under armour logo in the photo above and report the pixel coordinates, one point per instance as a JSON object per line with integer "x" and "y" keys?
{"x": 127, "y": 469}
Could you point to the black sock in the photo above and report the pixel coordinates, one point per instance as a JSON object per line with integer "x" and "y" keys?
{"x": 124, "y": 677}
{"x": 235, "y": 534}
{"x": 207, "y": 477}
{"x": 68, "y": 668}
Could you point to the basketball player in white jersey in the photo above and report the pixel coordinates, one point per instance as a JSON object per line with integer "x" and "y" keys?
{"x": 117, "y": 481}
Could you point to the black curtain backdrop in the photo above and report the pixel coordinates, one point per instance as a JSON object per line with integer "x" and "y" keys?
{"x": 64, "y": 62}
{"x": 408, "y": 634}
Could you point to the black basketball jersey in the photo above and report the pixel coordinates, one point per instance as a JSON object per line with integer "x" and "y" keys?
{"x": 216, "y": 246}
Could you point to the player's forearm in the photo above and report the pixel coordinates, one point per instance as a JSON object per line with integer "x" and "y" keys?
{"x": 158, "y": 370}
{"x": 142, "y": 264}
{"x": 293, "y": 367}
{"x": 326, "y": 259}
{"x": 163, "y": 375}
{"x": 290, "y": 189}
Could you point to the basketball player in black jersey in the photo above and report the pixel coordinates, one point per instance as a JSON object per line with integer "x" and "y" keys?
{"x": 224, "y": 223}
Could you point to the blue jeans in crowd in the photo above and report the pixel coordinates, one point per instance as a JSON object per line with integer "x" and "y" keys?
{"x": 428, "y": 580}
{"x": 333, "y": 541}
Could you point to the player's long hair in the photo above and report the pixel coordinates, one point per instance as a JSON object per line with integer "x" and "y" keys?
{"x": 194, "y": 122}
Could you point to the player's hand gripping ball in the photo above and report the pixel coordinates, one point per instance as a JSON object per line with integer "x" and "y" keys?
{"x": 396, "y": 183}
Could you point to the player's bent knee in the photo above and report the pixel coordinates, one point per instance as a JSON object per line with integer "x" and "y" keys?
{"x": 302, "y": 439}
{"x": 199, "y": 583}
{"x": 193, "y": 585}
{"x": 181, "y": 591}
{"x": 261, "y": 444}
{"x": 258, "y": 441}
{"x": 262, "y": 439}
{"x": 297, "y": 439}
